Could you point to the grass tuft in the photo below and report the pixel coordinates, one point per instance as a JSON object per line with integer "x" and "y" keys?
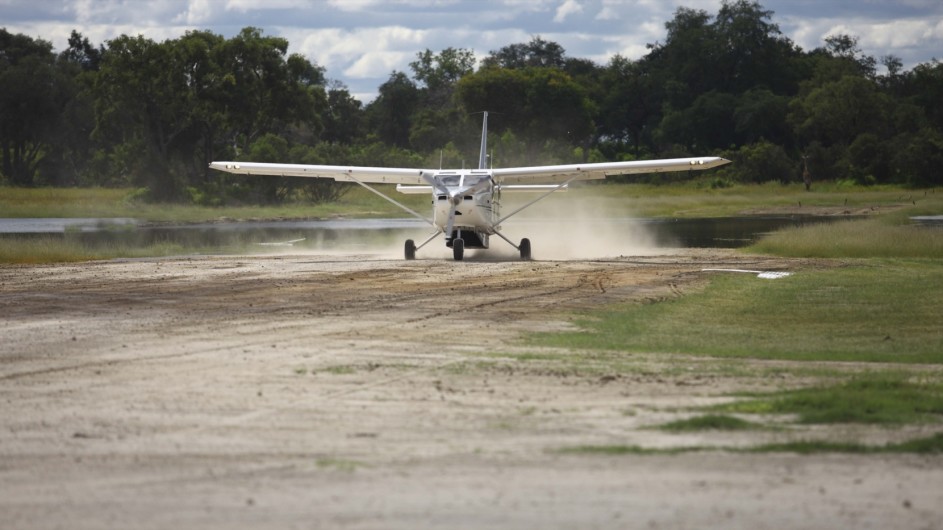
{"x": 932, "y": 445}
{"x": 710, "y": 422}
{"x": 872, "y": 399}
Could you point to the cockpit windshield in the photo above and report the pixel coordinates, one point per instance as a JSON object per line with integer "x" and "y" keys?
{"x": 450, "y": 181}
{"x": 463, "y": 181}
{"x": 471, "y": 180}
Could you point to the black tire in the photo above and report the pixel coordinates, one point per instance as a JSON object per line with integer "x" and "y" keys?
{"x": 458, "y": 249}
{"x": 525, "y": 249}
{"x": 410, "y": 249}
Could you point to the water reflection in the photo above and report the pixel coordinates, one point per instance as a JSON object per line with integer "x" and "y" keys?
{"x": 346, "y": 234}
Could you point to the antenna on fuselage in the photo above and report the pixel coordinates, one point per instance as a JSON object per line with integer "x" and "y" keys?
{"x": 483, "y": 153}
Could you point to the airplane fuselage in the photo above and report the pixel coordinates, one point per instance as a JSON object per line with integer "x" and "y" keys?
{"x": 472, "y": 195}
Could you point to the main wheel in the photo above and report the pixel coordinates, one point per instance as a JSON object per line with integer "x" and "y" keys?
{"x": 410, "y": 249}
{"x": 525, "y": 249}
{"x": 458, "y": 249}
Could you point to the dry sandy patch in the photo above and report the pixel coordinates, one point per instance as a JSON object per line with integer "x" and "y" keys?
{"x": 353, "y": 391}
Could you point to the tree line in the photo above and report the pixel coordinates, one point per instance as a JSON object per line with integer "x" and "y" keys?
{"x": 152, "y": 115}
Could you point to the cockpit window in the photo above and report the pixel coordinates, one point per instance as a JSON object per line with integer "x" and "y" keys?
{"x": 471, "y": 180}
{"x": 450, "y": 180}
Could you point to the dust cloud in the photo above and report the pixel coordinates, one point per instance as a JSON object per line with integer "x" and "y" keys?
{"x": 567, "y": 227}
{"x": 561, "y": 227}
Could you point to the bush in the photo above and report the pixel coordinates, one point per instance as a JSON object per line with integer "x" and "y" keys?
{"x": 760, "y": 162}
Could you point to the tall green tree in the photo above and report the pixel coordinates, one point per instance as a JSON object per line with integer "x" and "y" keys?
{"x": 538, "y": 53}
{"x": 34, "y": 91}
{"x": 539, "y": 104}
{"x": 628, "y": 105}
{"x": 390, "y": 115}
{"x": 264, "y": 89}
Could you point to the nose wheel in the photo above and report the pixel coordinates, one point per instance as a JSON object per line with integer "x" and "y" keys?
{"x": 458, "y": 249}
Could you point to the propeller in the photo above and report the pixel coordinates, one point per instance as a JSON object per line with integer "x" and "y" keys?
{"x": 455, "y": 196}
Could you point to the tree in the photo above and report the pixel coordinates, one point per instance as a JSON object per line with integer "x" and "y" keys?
{"x": 751, "y": 50}
{"x": 265, "y": 89}
{"x": 81, "y": 52}
{"x": 840, "y": 111}
{"x": 539, "y": 104}
{"x": 438, "y": 120}
{"x": 141, "y": 103}
{"x": 390, "y": 116}
{"x": 925, "y": 87}
{"x": 628, "y": 106}
{"x": 685, "y": 66}
{"x": 760, "y": 114}
{"x": 33, "y": 93}
{"x": 438, "y": 73}
{"x": 343, "y": 118}
{"x": 845, "y": 47}
{"x": 536, "y": 53}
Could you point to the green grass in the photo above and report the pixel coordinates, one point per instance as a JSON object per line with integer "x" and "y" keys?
{"x": 931, "y": 445}
{"x": 710, "y": 422}
{"x": 860, "y": 238}
{"x": 876, "y": 311}
{"x": 696, "y": 199}
{"x": 688, "y": 199}
{"x": 871, "y": 399}
{"x": 111, "y": 203}
{"x": 884, "y": 399}
{"x": 620, "y": 450}
{"x": 57, "y": 249}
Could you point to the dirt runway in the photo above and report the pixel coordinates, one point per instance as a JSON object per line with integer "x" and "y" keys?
{"x": 353, "y": 391}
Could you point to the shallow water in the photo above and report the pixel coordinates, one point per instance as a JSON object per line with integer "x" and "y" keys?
{"x": 346, "y": 234}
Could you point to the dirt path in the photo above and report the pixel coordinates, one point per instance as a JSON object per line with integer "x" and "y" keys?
{"x": 349, "y": 391}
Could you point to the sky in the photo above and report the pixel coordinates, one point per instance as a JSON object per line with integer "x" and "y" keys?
{"x": 361, "y": 42}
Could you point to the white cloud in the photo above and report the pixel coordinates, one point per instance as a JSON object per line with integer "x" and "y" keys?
{"x": 567, "y": 8}
{"x": 900, "y": 33}
{"x": 244, "y": 6}
{"x": 607, "y": 13}
{"x": 197, "y": 12}
{"x": 358, "y": 50}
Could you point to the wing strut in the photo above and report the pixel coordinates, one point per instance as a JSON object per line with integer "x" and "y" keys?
{"x": 426, "y": 242}
{"x": 531, "y": 203}
{"x": 392, "y": 200}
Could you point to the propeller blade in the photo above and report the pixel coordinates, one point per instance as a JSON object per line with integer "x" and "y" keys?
{"x": 451, "y": 222}
{"x": 435, "y": 184}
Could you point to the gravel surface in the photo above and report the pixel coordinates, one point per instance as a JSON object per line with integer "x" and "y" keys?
{"x": 355, "y": 391}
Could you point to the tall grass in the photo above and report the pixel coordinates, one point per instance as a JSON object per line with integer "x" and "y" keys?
{"x": 696, "y": 198}
{"x": 57, "y": 249}
{"x": 860, "y": 238}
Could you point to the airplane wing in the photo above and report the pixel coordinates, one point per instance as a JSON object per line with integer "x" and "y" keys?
{"x": 562, "y": 173}
{"x": 370, "y": 175}
{"x": 511, "y": 175}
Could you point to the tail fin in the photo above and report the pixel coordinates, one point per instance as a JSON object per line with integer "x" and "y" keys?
{"x": 483, "y": 154}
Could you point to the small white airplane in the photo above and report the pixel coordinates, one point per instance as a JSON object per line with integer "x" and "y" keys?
{"x": 466, "y": 202}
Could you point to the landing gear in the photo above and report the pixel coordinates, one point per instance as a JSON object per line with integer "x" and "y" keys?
{"x": 458, "y": 249}
{"x": 525, "y": 249}
{"x": 410, "y": 249}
